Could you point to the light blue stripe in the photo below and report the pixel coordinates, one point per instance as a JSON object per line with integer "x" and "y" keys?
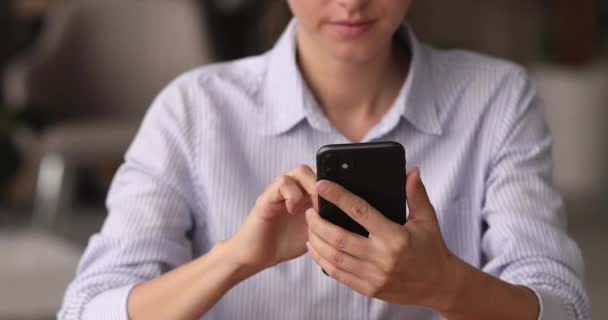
{"x": 216, "y": 137}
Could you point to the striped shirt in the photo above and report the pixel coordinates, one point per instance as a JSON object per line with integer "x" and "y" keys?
{"x": 217, "y": 136}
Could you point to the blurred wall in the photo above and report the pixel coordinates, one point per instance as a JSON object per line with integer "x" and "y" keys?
{"x": 511, "y": 29}
{"x": 561, "y": 43}
{"x": 526, "y": 31}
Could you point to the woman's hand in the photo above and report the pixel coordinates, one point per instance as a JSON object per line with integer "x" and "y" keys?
{"x": 276, "y": 230}
{"x": 403, "y": 264}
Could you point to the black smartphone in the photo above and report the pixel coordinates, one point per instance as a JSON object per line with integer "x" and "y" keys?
{"x": 373, "y": 171}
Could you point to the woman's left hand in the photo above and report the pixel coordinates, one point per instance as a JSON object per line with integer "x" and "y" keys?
{"x": 402, "y": 264}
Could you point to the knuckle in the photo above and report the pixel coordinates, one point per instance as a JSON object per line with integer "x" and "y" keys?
{"x": 333, "y": 272}
{"x": 340, "y": 240}
{"x": 312, "y": 227}
{"x": 282, "y": 180}
{"x": 360, "y": 209}
{"x": 337, "y": 258}
{"x": 389, "y": 266}
{"x": 302, "y": 169}
{"x": 372, "y": 291}
{"x": 383, "y": 281}
{"x": 399, "y": 244}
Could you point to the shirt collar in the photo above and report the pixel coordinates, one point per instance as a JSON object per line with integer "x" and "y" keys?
{"x": 287, "y": 98}
{"x": 417, "y": 99}
{"x": 283, "y": 90}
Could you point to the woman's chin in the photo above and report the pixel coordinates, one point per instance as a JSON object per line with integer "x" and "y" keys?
{"x": 360, "y": 51}
{"x": 354, "y": 55}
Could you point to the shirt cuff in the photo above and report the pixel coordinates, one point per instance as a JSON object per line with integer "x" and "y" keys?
{"x": 110, "y": 305}
{"x": 551, "y": 306}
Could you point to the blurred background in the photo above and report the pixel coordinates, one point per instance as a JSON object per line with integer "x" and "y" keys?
{"x": 77, "y": 76}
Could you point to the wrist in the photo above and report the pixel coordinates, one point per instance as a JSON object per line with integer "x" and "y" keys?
{"x": 225, "y": 254}
{"x": 458, "y": 280}
{"x": 473, "y": 294}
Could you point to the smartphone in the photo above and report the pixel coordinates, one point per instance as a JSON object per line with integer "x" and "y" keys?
{"x": 372, "y": 171}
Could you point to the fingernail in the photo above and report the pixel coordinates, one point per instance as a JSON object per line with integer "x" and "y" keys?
{"x": 322, "y": 187}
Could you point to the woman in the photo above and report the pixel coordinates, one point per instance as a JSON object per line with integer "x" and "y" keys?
{"x": 198, "y": 227}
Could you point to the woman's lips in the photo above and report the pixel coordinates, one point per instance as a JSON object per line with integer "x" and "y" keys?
{"x": 352, "y": 28}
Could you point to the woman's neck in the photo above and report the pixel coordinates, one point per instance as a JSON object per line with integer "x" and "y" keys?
{"x": 354, "y": 96}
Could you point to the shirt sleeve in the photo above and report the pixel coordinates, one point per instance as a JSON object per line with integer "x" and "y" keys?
{"x": 150, "y": 206}
{"x": 526, "y": 241}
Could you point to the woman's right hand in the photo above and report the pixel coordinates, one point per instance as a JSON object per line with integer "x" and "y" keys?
{"x": 275, "y": 229}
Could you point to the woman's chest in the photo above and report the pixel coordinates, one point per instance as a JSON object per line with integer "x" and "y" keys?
{"x": 231, "y": 175}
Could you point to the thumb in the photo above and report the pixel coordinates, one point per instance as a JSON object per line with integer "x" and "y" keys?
{"x": 417, "y": 198}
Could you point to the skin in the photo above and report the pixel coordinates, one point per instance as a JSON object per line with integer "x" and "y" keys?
{"x": 409, "y": 264}
{"x": 274, "y": 231}
{"x": 355, "y": 79}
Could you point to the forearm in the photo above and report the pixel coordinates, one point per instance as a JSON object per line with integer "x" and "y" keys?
{"x": 478, "y": 295}
{"x": 189, "y": 291}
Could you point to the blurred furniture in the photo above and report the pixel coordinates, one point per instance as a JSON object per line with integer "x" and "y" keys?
{"x": 94, "y": 71}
